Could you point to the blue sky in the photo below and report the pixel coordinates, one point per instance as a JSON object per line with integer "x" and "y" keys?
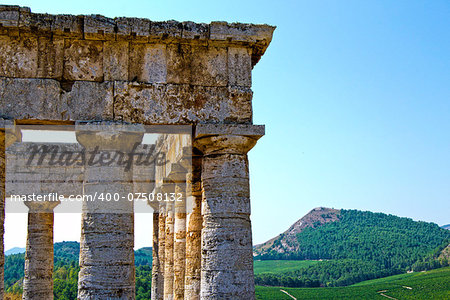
{"x": 355, "y": 96}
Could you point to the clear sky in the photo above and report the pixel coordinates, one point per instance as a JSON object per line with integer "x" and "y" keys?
{"x": 355, "y": 96}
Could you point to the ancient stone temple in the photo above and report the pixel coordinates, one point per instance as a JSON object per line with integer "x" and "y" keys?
{"x": 111, "y": 82}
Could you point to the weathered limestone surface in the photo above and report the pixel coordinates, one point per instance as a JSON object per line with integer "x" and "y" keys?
{"x": 227, "y": 259}
{"x": 107, "y": 233}
{"x": 156, "y": 265}
{"x": 161, "y": 254}
{"x": 193, "y": 230}
{"x": 179, "y": 248}
{"x": 95, "y": 68}
{"x": 2, "y": 209}
{"x": 8, "y": 135}
{"x": 168, "y": 256}
{"x": 38, "y": 281}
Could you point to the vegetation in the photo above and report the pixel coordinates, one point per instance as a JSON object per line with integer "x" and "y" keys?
{"x": 433, "y": 284}
{"x": 65, "y": 274}
{"x": 360, "y": 246}
{"x": 281, "y": 266}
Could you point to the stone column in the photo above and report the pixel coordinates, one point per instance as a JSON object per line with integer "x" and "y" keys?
{"x": 193, "y": 230}
{"x": 157, "y": 261}
{"x": 227, "y": 260}
{"x": 169, "y": 243}
{"x": 8, "y": 135}
{"x": 178, "y": 176}
{"x": 156, "y": 271}
{"x": 107, "y": 232}
{"x": 161, "y": 250}
{"x": 38, "y": 281}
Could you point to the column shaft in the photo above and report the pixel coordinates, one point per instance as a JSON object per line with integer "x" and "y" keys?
{"x": 38, "y": 281}
{"x": 107, "y": 242}
{"x": 2, "y": 209}
{"x": 161, "y": 251}
{"x": 156, "y": 262}
{"x": 227, "y": 259}
{"x": 8, "y": 135}
{"x": 168, "y": 256}
{"x": 193, "y": 231}
{"x": 107, "y": 232}
{"x": 179, "y": 240}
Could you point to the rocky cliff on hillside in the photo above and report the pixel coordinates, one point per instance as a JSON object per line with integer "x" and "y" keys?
{"x": 287, "y": 241}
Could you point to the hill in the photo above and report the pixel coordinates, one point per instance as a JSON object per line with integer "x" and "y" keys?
{"x": 15, "y": 250}
{"x": 446, "y": 226}
{"x": 354, "y": 246}
{"x": 287, "y": 241}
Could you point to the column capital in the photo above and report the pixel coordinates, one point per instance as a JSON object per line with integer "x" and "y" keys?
{"x": 11, "y": 131}
{"x": 176, "y": 172}
{"x": 107, "y": 135}
{"x": 227, "y": 138}
{"x": 41, "y": 206}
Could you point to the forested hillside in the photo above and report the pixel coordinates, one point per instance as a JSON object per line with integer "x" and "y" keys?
{"x": 66, "y": 271}
{"x": 356, "y": 247}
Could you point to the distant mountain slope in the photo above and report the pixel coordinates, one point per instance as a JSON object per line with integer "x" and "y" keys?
{"x": 15, "y": 250}
{"x": 446, "y": 226}
{"x": 287, "y": 241}
{"x": 353, "y": 246}
{"x": 326, "y": 233}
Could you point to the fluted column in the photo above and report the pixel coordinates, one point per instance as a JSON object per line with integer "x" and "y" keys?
{"x": 157, "y": 261}
{"x": 193, "y": 230}
{"x": 169, "y": 243}
{"x": 107, "y": 232}
{"x": 38, "y": 281}
{"x": 155, "y": 255}
{"x": 8, "y": 135}
{"x": 161, "y": 250}
{"x": 227, "y": 260}
{"x": 178, "y": 176}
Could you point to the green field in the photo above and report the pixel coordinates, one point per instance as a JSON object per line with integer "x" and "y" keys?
{"x": 433, "y": 284}
{"x": 281, "y": 266}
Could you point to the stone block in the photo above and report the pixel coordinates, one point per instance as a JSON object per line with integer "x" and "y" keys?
{"x": 239, "y": 102}
{"x": 179, "y": 59}
{"x": 148, "y": 63}
{"x": 83, "y": 60}
{"x": 18, "y": 56}
{"x": 239, "y": 257}
{"x": 30, "y": 99}
{"x": 165, "y": 30}
{"x": 228, "y": 234}
{"x": 135, "y": 29}
{"x": 229, "y": 129}
{"x": 209, "y": 66}
{"x": 224, "y": 31}
{"x": 115, "y": 60}
{"x": 50, "y": 58}
{"x": 239, "y": 66}
{"x": 97, "y": 27}
{"x": 195, "y": 31}
{"x": 31, "y": 22}
{"x": 9, "y": 15}
{"x": 175, "y": 104}
{"x": 68, "y": 25}
{"x": 235, "y": 284}
{"x": 88, "y": 101}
